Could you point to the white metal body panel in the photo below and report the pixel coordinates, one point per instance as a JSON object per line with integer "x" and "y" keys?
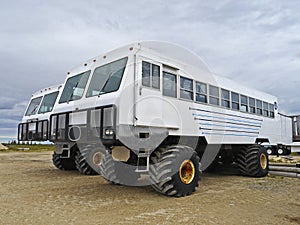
{"x": 146, "y": 107}
{"x": 295, "y": 147}
{"x": 40, "y": 93}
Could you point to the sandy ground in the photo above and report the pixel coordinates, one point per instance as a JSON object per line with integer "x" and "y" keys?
{"x": 32, "y": 191}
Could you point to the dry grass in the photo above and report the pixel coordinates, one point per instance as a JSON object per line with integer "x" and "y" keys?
{"x": 27, "y": 148}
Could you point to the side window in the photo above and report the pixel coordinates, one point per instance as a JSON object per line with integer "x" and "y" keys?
{"x": 74, "y": 87}
{"x": 213, "y": 95}
{"x": 48, "y": 102}
{"x": 235, "y": 100}
{"x": 252, "y": 105}
{"x": 186, "y": 88}
{"x": 169, "y": 84}
{"x": 225, "y": 98}
{"x": 33, "y": 106}
{"x": 146, "y": 71}
{"x": 244, "y": 103}
{"x": 265, "y": 109}
{"x": 155, "y": 76}
{"x": 150, "y": 75}
{"x": 201, "y": 92}
{"x": 107, "y": 78}
{"x": 259, "y": 107}
{"x": 271, "y": 110}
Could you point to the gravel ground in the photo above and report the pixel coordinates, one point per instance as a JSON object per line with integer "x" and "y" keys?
{"x": 32, "y": 191}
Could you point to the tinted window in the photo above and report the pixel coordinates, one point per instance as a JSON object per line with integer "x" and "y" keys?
{"x": 213, "y": 95}
{"x": 201, "y": 88}
{"x": 146, "y": 74}
{"x": 271, "y": 110}
{"x": 186, "y": 88}
{"x": 265, "y": 109}
{"x": 48, "y": 102}
{"x": 244, "y": 103}
{"x": 33, "y": 106}
{"x": 155, "y": 76}
{"x": 213, "y": 101}
{"x": 107, "y": 78}
{"x": 235, "y": 97}
{"x": 225, "y": 94}
{"x": 252, "y": 105}
{"x": 74, "y": 87}
{"x": 201, "y": 92}
{"x": 235, "y": 100}
{"x": 225, "y": 98}
{"x": 150, "y": 75}
{"x": 169, "y": 84}
{"x": 213, "y": 91}
{"x": 259, "y": 107}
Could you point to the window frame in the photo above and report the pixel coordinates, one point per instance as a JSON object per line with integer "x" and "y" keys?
{"x": 88, "y": 72}
{"x": 88, "y": 95}
{"x": 44, "y": 99}
{"x": 265, "y": 111}
{"x": 151, "y": 77}
{"x": 234, "y": 102}
{"x": 271, "y": 110}
{"x": 252, "y": 107}
{"x": 224, "y": 100}
{"x": 163, "y": 84}
{"x": 203, "y": 94}
{"x": 143, "y": 78}
{"x": 190, "y": 91}
{"x": 259, "y": 109}
{"x": 243, "y": 104}
{"x": 35, "y": 108}
{"x": 215, "y": 97}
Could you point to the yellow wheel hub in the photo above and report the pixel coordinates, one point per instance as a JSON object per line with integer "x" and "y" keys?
{"x": 263, "y": 161}
{"x": 187, "y": 171}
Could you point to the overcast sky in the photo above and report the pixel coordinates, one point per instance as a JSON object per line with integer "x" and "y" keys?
{"x": 255, "y": 42}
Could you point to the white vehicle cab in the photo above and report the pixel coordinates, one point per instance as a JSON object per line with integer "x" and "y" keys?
{"x": 35, "y": 122}
{"x": 155, "y": 109}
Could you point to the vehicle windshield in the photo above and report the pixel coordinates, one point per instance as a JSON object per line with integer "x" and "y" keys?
{"x": 33, "y": 106}
{"x": 48, "y": 102}
{"x": 107, "y": 78}
{"x": 74, "y": 87}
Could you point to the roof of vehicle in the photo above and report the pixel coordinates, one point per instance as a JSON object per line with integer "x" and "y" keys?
{"x": 177, "y": 56}
{"x": 46, "y": 90}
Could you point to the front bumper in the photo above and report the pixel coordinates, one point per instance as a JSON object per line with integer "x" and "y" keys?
{"x": 33, "y": 131}
{"x": 88, "y": 125}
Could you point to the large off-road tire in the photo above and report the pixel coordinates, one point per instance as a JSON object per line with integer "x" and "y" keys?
{"x": 117, "y": 172}
{"x": 174, "y": 171}
{"x": 64, "y": 163}
{"x": 88, "y": 159}
{"x": 253, "y": 161}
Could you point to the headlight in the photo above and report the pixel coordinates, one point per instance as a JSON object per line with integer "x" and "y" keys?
{"x": 109, "y": 132}
{"x": 109, "y": 121}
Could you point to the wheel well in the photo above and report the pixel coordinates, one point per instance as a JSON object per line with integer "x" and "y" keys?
{"x": 197, "y": 143}
{"x": 262, "y": 140}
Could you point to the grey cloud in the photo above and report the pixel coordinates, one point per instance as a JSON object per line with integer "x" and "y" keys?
{"x": 10, "y": 117}
{"x": 253, "y": 42}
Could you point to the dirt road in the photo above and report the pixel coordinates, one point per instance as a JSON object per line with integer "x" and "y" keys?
{"x": 32, "y": 191}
